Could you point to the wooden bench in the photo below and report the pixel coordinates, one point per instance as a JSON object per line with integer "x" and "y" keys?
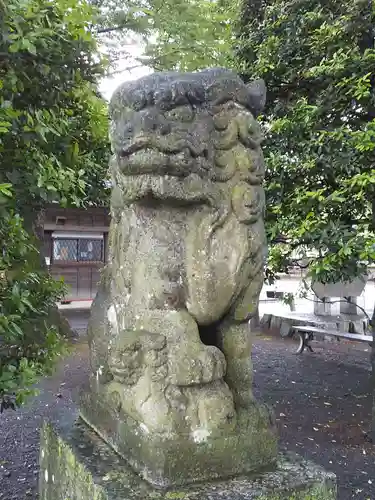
{"x": 306, "y": 335}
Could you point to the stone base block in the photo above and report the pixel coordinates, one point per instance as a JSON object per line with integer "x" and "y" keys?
{"x": 167, "y": 461}
{"x": 76, "y": 464}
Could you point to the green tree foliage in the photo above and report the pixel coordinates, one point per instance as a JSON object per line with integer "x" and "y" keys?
{"x": 190, "y": 34}
{"x": 53, "y": 125}
{"x": 26, "y": 295}
{"x": 53, "y": 148}
{"x": 183, "y": 35}
{"x": 318, "y": 61}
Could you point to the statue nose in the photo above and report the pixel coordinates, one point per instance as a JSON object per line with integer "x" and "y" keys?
{"x": 151, "y": 122}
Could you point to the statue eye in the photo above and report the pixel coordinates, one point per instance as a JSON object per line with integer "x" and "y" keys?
{"x": 221, "y": 121}
{"x": 180, "y": 114}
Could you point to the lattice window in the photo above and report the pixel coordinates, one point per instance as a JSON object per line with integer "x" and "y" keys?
{"x": 65, "y": 250}
{"x": 78, "y": 250}
{"x": 90, "y": 250}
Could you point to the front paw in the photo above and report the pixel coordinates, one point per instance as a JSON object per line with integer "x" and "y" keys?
{"x": 196, "y": 364}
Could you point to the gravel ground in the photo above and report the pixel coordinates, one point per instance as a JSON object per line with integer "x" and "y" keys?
{"x": 19, "y": 436}
{"x": 321, "y": 403}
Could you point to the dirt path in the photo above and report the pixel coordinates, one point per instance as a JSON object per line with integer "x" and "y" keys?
{"x": 19, "y": 436}
{"x": 320, "y": 401}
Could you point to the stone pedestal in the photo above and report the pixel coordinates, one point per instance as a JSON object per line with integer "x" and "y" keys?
{"x": 322, "y": 307}
{"x": 76, "y": 464}
{"x": 165, "y": 461}
{"x": 349, "y": 307}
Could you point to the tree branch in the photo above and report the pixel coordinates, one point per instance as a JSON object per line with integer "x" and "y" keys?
{"x": 110, "y": 29}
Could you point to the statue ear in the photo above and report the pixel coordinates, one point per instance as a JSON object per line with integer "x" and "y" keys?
{"x": 258, "y": 94}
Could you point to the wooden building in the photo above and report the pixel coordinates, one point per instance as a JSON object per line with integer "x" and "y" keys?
{"x": 75, "y": 247}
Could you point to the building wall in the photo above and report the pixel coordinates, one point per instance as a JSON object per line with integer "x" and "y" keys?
{"x": 75, "y": 248}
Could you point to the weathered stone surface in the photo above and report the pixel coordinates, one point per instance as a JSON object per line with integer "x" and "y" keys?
{"x": 343, "y": 289}
{"x": 170, "y": 347}
{"x": 246, "y": 448}
{"x": 78, "y": 465}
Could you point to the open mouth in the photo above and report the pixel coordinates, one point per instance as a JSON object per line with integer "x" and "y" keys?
{"x": 179, "y": 160}
{"x": 154, "y": 162}
{"x": 166, "y": 187}
{"x": 165, "y": 146}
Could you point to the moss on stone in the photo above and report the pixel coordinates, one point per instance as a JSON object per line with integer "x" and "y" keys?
{"x": 316, "y": 493}
{"x": 76, "y": 464}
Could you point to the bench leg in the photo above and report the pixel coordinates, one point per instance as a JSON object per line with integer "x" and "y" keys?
{"x": 304, "y": 339}
{"x": 301, "y": 345}
{"x": 309, "y": 337}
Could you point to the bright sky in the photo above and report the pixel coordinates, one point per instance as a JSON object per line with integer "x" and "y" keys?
{"x": 123, "y": 73}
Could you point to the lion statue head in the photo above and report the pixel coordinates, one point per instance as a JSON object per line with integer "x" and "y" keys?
{"x": 189, "y": 138}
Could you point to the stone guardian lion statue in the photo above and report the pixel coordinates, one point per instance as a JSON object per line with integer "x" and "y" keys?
{"x": 169, "y": 338}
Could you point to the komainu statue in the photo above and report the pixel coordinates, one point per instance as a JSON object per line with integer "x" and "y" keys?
{"x": 171, "y": 382}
